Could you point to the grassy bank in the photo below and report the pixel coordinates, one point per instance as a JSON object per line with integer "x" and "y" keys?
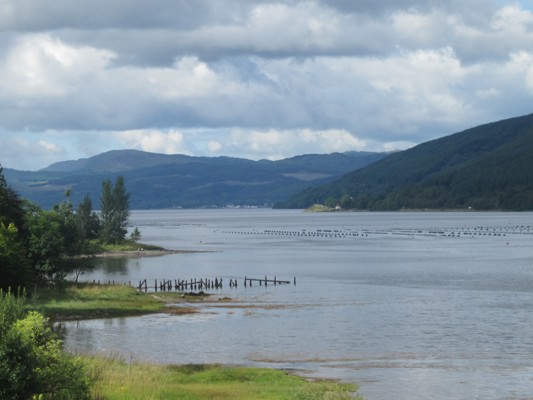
{"x": 116, "y": 380}
{"x": 113, "y": 378}
{"x": 82, "y": 300}
{"x": 125, "y": 246}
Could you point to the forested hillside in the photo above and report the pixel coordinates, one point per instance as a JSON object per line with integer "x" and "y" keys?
{"x": 167, "y": 181}
{"x": 489, "y": 167}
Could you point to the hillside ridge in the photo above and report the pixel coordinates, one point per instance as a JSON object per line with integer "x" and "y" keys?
{"x": 488, "y": 167}
{"x": 169, "y": 181}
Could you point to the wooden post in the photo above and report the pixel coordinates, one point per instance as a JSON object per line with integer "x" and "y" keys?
{"x": 294, "y": 281}
{"x": 266, "y": 281}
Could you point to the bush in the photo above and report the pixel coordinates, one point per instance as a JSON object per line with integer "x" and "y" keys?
{"x": 32, "y": 364}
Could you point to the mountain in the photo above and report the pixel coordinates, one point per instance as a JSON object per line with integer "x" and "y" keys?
{"x": 489, "y": 167}
{"x": 166, "y": 181}
{"x": 117, "y": 161}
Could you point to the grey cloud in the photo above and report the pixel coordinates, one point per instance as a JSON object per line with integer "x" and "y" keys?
{"x": 402, "y": 70}
{"x": 376, "y": 8}
{"x": 36, "y": 15}
{"x": 291, "y": 37}
{"x": 157, "y": 32}
{"x": 472, "y": 10}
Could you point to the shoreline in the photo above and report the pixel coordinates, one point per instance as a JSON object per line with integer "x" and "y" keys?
{"x": 137, "y": 253}
{"x": 85, "y": 301}
{"x": 82, "y": 301}
{"x": 138, "y": 379}
{"x": 140, "y": 253}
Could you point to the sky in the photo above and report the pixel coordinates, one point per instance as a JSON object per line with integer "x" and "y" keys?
{"x": 256, "y": 79}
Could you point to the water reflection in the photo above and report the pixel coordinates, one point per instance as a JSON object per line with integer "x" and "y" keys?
{"x": 115, "y": 266}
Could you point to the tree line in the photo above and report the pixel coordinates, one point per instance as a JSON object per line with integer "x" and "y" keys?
{"x": 37, "y": 246}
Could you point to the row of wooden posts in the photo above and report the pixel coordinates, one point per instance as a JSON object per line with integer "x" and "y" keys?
{"x": 165, "y": 285}
{"x": 201, "y": 284}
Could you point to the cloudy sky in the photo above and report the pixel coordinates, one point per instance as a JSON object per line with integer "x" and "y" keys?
{"x": 254, "y": 79}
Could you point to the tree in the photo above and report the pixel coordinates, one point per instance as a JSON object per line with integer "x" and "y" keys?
{"x": 331, "y": 202}
{"x": 114, "y": 211}
{"x": 11, "y": 206}
{"x": 346, "y": 202}
{"x": 45, "y": 244}
{"x": 14, "y": 265}
{"x": 68, "y": 226}
{"x": 87, "y": 220}
{"x": 135, "y": 235}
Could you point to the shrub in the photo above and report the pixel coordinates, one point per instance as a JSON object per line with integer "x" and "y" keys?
{"x": 32, "y": 364}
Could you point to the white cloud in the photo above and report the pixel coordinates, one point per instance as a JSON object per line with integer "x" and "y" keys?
{"x": 153, "y": 141}
{"x": 513, "y": 18}
{"x": 274, "y": 144}
{"x": 41, "y": 66}
{"x": 260, "y": 79}
{"x": 394, "y": 146}
{"x": 50, "y": 147}
{"x": 214, "y": 147}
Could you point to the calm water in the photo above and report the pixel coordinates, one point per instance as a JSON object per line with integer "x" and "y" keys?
{"x": 407, "y": 305}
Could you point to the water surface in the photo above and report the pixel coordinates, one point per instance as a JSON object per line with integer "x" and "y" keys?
{"x": 408, "y": 305}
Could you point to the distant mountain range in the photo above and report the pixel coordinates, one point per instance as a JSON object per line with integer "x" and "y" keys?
{"x": 170, "y": 181}
{"x": 489, "y": 167}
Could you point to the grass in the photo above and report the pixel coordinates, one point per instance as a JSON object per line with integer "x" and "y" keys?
{"x": 114, "y": 379}
{"x": 127, "y": 245}
{"x": 319, "y": 208}
{"x": 84, "y": 300}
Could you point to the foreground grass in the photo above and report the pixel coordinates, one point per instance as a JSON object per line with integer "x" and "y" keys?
{"x": 96, "y": 301}
{"x": 116, "y": 380}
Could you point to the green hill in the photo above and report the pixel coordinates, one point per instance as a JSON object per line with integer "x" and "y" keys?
{"x": 166, "y": 181}
{"x": 489, "y": 167}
